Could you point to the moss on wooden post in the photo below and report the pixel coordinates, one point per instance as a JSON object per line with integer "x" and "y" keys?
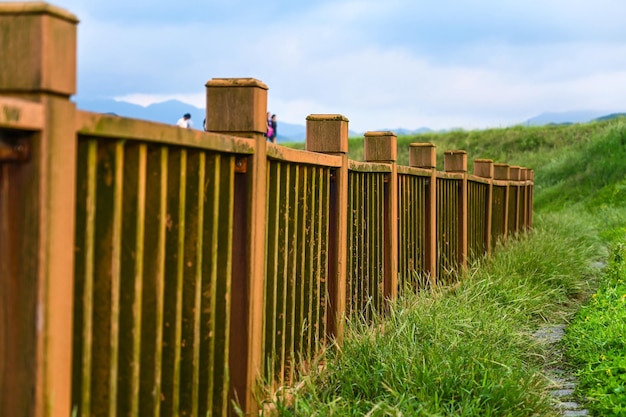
{"x": 423, "y": 155}
{"x": 328, "y": 133}
{"x": 383, "y": 147}
{"x": 456, "y": 161}
{"x": 238, "y": 107}
{"x": 484, "y": 168}
{"x": 38, "y": 44}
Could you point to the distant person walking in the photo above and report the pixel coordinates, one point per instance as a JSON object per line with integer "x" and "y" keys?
{"x": 268, "y": 125}
{"x": 271, "y": 129}
{"x": 185, "y": 121}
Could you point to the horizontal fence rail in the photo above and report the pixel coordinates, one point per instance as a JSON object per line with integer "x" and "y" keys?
{"x": 151, "y": 270}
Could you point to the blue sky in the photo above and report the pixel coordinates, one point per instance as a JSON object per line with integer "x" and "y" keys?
{"x": 382, "y": 64}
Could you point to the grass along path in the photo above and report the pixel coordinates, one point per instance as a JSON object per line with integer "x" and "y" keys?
{"x": 466, "y": 350}
{"x": 596, "y": 342}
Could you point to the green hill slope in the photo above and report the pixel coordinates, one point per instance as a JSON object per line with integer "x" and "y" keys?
{"x": 573, "y": 164}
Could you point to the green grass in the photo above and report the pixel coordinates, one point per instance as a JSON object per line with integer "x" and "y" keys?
{"x": 467, "y": 350}
{"x": 596, "y": 342}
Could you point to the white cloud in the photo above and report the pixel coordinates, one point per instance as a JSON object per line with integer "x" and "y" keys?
{"x": 399, "y": 63}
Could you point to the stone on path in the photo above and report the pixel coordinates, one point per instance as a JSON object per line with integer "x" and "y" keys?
{"x": 564, "y": 384}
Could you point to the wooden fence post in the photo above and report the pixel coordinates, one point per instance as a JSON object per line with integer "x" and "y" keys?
{"x": 484, "y": 168}
{"x": 423, "y": 155}
{"x": 456, "y": 161}
{"x": 238, "y": 107}
{"x": 501, "y": 173}
{"x": 514, "y": 177}
{"x": 383, "y": 147}
{"x": 531, "y": 194}
{"x": 328, "y": 133}
{"x": 37, "y": 210}
{"x": 522, "y": 198}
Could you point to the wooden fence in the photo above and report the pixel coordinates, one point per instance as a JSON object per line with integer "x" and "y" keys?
{"x": 157, "y": 271}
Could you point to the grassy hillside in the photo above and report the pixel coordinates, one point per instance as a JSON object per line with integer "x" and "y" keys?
{"x": 574, "y": 164}
{"x": 580, "y": 166}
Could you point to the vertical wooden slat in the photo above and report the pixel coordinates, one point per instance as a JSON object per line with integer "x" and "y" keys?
{"x": 223, "y": 256}
{"x": 441, "y": 236}
{"x": 352, "y": 247}
{"x": 116, "y": 277}
{"x": 360, "y": 277}
{"x": 412, "y": 228}
{"x": 319, "y": 297}
{"x": 131, "y": 278}
{"x": 273, "y": 201}
{"x": 377, "y": 241}
{"x": 290, "y": 275}
{"x": 283, "y": 269}
{"x": 323, "y": 259}
{"x": 239, "y": 346}
{"x": 174, "y": 267}
{"x": 360, "y": 274}
{"x": 191, "y": 283}
{"x": 381, "y": 242}
{"x": 402, "y": 255}
{"x": 300, "y": 260}
{"x": 156, "y": 223}
{"x": 106, "y": 279}
{"x": 368, "y": 276}
{"x": 208, "y": 402}
{"x": 208, "y": 326}
{"x": 87, "y": 163}
{"x": 309, "y": 263}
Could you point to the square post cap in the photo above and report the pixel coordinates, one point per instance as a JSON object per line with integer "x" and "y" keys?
{"x": 514, "y": 173}
{"x": 38, "y": 44}
{"x": 422, "y": 155}
{"x": 327, "y": 133}
{"x": 380, "y": 147}
{"x": 455, "y": 161}
{"x": 501, "y": 171}
{"x": 483, "y": 168}
{"x": 236, "y": 105}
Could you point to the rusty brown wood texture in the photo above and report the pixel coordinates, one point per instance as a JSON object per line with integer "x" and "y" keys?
{"x": 296, "y": 288}
{"x": 413, "y": 230}
{"x": 148, "y": 270}
{"x": 152, "y": 286}
{"x": 448, "y": 225}
{"x": 477, "y": 225}
{"x": 366, "y": 243}
{"x": 499, "y": 217}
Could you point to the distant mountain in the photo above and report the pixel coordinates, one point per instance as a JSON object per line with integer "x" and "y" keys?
{"x": 403, "y": 132}
{"x": 582, "y": 116}
{"x": 610, "y": 116}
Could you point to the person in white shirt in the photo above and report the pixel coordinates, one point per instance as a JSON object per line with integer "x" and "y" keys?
{"x": 185, "y": 121}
